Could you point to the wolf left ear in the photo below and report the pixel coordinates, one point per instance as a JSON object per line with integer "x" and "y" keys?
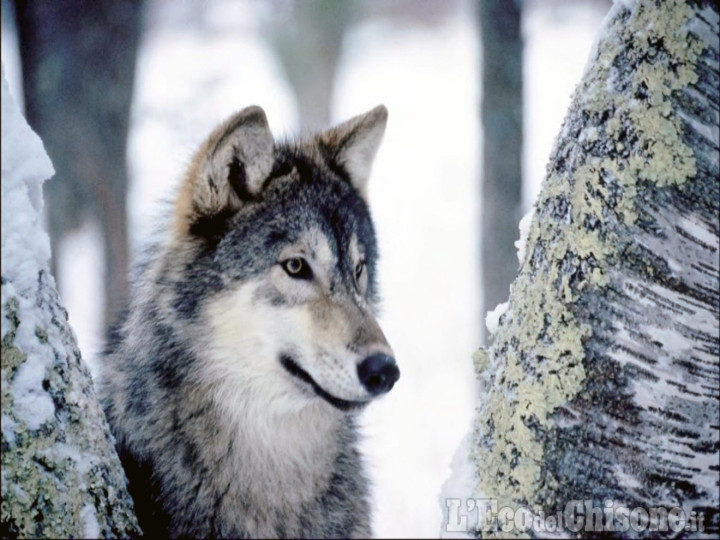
{"x": 229, "y": 168}
{"x": 353, "y": 144}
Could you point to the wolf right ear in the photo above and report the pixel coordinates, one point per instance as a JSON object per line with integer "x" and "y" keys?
{"x": 353, "y": 144}
{"x": 229, "y": 168}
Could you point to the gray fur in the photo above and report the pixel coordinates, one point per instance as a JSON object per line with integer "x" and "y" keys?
{"x": 231, "y": 383}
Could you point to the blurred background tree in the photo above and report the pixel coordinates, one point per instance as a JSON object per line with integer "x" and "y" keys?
{"x": 309, "y": 51}
{"x": 311, "y": 47}
{"x": 501, "y": 115}
{"x": 78, "y": 62}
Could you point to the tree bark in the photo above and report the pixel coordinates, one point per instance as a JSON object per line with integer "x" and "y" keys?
{"x": 61, "y": 476}
{"x": 601, "y": 384}
{"x": 502, "y": 121}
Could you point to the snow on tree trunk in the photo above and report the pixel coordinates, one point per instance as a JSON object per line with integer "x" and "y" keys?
{"x": 61, "y": 476}
{"x": 601, "y": 406}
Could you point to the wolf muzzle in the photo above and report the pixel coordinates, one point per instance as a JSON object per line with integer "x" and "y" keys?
{"x": 377, "y": 373}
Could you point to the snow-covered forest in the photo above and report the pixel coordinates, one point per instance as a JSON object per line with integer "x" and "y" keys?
{"x": 196, "y": 63}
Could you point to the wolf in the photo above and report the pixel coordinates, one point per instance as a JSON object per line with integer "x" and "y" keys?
{"x": 233, "y": 383}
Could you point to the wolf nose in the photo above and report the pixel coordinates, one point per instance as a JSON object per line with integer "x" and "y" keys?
{"x": 378, "y": 373}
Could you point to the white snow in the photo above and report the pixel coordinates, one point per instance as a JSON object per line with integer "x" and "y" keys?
{"x": 462, "y": 485}
{"x": 492, "y": 319}
{"x": 91, "y": 528}
{"x": 32, "y": 403}
{"x": 62, "y": 451}
{"x": 25, "y": 166}
{"x": 627, "y": 4}
{"x": 25, "y": 251}
{"x": 7, "y": 424}
{"x": 524, "y": 229}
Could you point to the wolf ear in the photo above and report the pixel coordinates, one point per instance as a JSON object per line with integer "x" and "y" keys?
{"x": 353, "y": 144}
{"x": 230, "y": 167}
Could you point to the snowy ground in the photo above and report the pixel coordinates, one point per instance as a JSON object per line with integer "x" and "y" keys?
{"x": 198, "y": 66}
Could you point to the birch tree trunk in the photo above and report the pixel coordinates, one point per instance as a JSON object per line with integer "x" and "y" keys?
{"x": 601, "y": 407}
{"x": 61, "y": 476}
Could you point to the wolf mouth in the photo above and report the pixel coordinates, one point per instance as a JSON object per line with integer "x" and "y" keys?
{"x": 295, "y": 370}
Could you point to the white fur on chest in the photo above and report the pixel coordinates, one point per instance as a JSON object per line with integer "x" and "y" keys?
{"x": 279, "y": 462}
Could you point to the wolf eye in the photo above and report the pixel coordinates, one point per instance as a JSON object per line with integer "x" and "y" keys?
{"x": 359, "y": 269}
{"x": 298, "y": 268}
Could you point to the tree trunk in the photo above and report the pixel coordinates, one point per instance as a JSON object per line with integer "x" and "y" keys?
{"x": 501, "y": 116}
{"x": 309, "y": 50}
{"x": 601, "y": 405}
{"x": 78, "y": 61}
{"x": 61, "y": 476}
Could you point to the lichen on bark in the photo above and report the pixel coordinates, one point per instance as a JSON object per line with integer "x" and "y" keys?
{"x": 62, "y": 478}
{"x": 626, "y": 149}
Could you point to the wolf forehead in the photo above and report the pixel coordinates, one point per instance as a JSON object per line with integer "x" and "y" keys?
{"x": 301, "y": 200}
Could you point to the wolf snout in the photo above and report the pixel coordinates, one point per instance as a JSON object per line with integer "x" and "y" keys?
{"x": 378, "y": 373}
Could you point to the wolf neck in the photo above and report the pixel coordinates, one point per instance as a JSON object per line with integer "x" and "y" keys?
{"x": 282, "y": 458}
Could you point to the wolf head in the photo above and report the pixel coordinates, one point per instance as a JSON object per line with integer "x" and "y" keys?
{"x": 283, "y": 273}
